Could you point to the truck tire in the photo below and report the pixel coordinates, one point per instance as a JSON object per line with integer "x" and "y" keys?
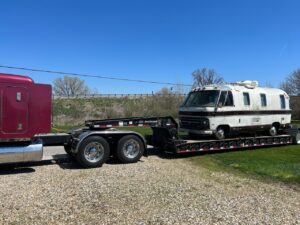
{"x": 93, "y": 152}
{"x": 130, "y": 149}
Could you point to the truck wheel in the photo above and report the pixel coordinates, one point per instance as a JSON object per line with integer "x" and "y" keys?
{"x": 273, "y": 130}
{"x": 93, "y": 152}
{"x": 130, "y": 149}
{"x": 220, "y": 133}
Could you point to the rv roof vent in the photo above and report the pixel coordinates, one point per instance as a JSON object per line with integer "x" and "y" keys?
{"x": 248, "y": 83}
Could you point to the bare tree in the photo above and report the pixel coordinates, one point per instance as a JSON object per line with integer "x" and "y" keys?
{"x": 205, "y": 76}
{"x": 69, "y": 87}
{"x": 292, "y": 83}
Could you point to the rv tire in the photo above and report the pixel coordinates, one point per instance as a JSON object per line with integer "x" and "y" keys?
{"x": 220, "y": 133}
{"x": 273, "y": 130}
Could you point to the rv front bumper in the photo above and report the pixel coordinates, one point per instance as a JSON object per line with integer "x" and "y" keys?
{"x": 203, "y": 132}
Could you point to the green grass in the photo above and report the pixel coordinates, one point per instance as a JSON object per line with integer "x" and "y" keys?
{"x": 142, "y": 130}
{"x": 295, "y": 121}
{"x": 277, "y": 163}
{"x": 62, "y": 128}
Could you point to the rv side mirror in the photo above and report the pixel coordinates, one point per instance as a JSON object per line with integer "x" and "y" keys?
{"x": 220, "y": 105}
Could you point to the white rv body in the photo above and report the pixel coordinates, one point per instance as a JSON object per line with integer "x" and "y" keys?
{"x": 241, "y": 106}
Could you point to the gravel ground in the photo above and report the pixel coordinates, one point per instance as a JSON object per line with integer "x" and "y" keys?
{"x": 152, "y": 191}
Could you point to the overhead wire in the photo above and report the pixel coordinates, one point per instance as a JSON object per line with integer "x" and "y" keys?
{"x": 90, "y": 75}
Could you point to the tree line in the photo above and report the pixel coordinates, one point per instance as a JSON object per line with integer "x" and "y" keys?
{"x": 68, "y": 86}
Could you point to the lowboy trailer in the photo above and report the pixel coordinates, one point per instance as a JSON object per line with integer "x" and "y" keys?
{"x": 165, "y": 135}
{"x": 93, "y": 145}
{"x": 26, "y": 118}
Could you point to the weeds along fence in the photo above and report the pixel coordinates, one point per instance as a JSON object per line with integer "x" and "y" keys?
{"x": 75, "y": 110}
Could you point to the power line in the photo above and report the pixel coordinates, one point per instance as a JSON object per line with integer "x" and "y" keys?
{"x": 90, "y": 75}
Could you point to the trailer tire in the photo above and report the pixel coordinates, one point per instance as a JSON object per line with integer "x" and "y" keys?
{"x": 93, "y": 152}
{"x": 130, "y": 149}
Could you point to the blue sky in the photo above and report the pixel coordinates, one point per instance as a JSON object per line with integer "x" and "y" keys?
{"x": 162, "y": 40}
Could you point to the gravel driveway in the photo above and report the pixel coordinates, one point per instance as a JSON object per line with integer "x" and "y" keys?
{"x": 152, "y": 191}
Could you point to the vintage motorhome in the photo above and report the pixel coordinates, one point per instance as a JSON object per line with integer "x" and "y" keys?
{"x": 242, "y": 106}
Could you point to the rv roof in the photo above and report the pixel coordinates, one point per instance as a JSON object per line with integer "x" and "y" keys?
{"x": 238, "y": 87}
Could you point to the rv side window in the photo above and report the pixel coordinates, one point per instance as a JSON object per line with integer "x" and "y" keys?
{"x": 246, "y": 98}
{"x": 263, "y": 99}
{"x": 226, "y": 99}
{"x": 282, "y": 101}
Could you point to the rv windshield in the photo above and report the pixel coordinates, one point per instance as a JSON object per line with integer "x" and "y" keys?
{"x": 202, "y": 99}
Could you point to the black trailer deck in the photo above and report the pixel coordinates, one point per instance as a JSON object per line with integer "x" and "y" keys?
{"x": 169, "y": 143}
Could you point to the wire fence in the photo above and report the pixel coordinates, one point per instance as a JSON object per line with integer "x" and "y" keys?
{"x": 119, "y": 96}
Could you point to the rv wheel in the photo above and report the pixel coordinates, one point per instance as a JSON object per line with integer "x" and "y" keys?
{"x": 273, "y": 130}
{"x": 220, "y": 133}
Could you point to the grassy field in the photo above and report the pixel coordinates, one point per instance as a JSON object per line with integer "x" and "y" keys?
{"x": 278, "y": 163}
{"x": 296, "y": 122}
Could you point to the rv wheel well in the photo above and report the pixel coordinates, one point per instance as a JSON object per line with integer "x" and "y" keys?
{"x": 225, "y": 127}
{"x": 276, "y": 124}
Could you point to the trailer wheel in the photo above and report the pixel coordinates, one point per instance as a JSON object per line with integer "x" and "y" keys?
{"x": 130, "y": 149}
{"x": 93, "y": 152}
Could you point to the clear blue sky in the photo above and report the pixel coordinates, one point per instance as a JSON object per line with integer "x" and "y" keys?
{"x": 161, "y": 40}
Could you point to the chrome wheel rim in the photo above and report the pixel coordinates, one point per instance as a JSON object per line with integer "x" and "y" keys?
{"x": 94, "y": 152}
{"x": 131, "y": 148}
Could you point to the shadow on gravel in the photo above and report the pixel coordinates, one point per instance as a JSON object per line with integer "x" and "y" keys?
{"x": 14, "y": 169}
{"x": 169, "y": 155}
{"x": 19, "y": 168}
{"x": 67, "y": 162}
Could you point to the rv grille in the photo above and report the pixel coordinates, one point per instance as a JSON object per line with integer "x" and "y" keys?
{"x": 194, "y": 123}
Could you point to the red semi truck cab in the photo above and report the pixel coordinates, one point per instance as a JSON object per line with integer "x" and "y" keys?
{"x": 25, "y": 107}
